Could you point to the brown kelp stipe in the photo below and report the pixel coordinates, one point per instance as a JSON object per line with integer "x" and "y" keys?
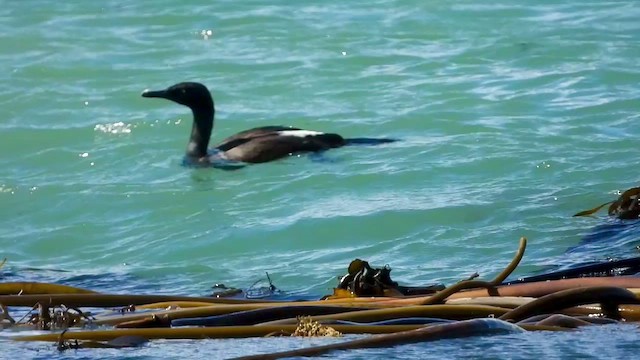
{"x": 592, "y": 211}
{"x": 441, "y": 296}
{"x": 454, "y": 312}
{"x": 218, "y": 332}
{"x": 36, "y": 288}
{"x": 164, "y": 317}
{"x": 608, "y": 296}
{"x": 111, "y": 300}
{"x": 437, "y": 332}
{"x": 563, "y": 321}
{"x": 126, "y": 341}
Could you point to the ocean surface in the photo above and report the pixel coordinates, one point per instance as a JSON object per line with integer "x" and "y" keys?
{"x": 512, "y": 116}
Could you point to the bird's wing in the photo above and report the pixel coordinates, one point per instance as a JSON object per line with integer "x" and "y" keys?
{"x": 247, "y": 135}
{"x": 274, "y": 146}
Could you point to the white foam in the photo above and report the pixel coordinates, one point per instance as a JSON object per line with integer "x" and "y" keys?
{"x": 114, "y": 128}
{"x": 299, "y": 133}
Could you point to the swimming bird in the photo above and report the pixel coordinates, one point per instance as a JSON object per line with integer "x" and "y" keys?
{"x": 257, "y": 145}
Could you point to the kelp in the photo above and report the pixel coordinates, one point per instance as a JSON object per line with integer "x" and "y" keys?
{"x": 455, "y": 312}
{"x": 440, "y": 296}
{"x": 252, "y": 317}
{"x": 625, "y": 207}
{"x": 363, "y": 280}
{"x": 467, "y": 308}
{"x": 309, "y": 328}
{"x": 126, "y": 341}
{"x": 42, "y": 317}
{"x": 5, "y": 317}
{"x": 36, "y": 288}
{"x": 609, "y": 297}
{"x": 437, "y": 332}
{"x": 218, "y": 332}
{"x": 112, "y": 300}
{"x": 610, "y": 268}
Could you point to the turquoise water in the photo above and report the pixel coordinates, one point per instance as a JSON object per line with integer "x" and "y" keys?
{"x": 512, "y": 116}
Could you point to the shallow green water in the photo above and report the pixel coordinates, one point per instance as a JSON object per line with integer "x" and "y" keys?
{"x": 512, "y": 117}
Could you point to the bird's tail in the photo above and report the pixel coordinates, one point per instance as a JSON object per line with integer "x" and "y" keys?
{"x": 368, "y": 141}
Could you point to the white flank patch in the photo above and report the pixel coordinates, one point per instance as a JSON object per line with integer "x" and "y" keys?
{"x": 299, "y": 133}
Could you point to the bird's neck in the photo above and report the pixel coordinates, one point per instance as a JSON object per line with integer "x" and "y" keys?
{"x": 200, "y": 131}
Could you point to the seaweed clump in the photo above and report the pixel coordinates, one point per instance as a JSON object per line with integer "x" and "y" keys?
{"x": 307, "y": 327}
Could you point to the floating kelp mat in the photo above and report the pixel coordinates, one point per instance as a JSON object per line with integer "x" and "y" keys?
{"x": 74, "y": 318}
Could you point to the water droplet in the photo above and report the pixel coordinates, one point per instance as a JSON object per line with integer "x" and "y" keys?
{"x": 206, "y": 34}
{"x": 344, "y": 53}
{"x": 86, "y": 103}
{"x": 92, "y": 163}
{"x": 84, "y": 155}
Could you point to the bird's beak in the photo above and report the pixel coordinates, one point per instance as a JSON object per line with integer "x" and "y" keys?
{"x": 155, "y": 93}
